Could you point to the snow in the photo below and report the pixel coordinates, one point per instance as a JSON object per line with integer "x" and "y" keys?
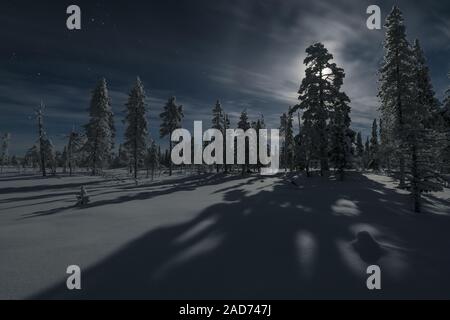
{"x": 216, "y": 236}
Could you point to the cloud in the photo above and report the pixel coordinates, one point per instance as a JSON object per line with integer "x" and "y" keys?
{"x": 248, "y": 54}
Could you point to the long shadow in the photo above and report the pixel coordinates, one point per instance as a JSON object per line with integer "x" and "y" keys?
{"x": 174, "y": 185}
{"x": 37, "y": 197}
{"x": 22, "y": 177}
{"x": 281, "y": 243}
{"x": 38, "y": 188}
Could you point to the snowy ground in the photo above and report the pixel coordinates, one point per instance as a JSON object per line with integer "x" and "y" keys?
{"x": 215, "y": 236}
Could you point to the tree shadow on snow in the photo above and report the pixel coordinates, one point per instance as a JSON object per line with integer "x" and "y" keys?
{"x": 283, "y": 242}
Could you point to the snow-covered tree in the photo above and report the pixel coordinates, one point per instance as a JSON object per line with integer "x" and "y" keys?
{"x": 48, "y": 152}
{"x": 420, "y": 135}
{"x": 420, "y": 146}
{"x": 74, "y": 145}
{"x": 445, "y": 115}
{"x": 359, "y": 145}
{"x": 258, "y": 125}
{"x": 318, "y": 93}
{"x": 64, "y": 160}
{"x": 100, "y": 128}
{"x": 395, "y": 89}
{"x": 42, "y": 137}
{"x": 152, "y": 159}
{"x": 226, "y": 125}
{"x": 300, "y": 148}
{"x": 359, "y": 149}
{"x": 218, "y": 122}
{"x": 244, "y": 124}
{"x": 366, "y": 156}
{"x": 4, "y": 155}
{"x": 287, "y": 139}
{"x": 136, "y": 132}
{"x": 171, "y": 119}
{"x": 374, "y": 147}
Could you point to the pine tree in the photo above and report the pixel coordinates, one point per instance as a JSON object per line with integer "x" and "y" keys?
{"x": 74, "y": 146}
{"x": 136, "y": 132}
{"x": 366, "y": 157}
{"x": 226, "y": 125}
{"x": 4, "y": 156}
{"x": 218, "y": 122}
{"x": 318, "y": 93}
{"x": 359, "y": 149}
{"x": 42, "y": 137}
{"x": 283, "y": 129}
{"x": 258, "y": 125}
{"x": 64, "y": 160}
{"x": 171, "y": 119}
{"x": 374, "y": 149}
{"x": 300, "y": 149}
{"x": 244, "y": 124}
{"x": 445, "y": 128}
{"x": 396, "y": 79}
{"x": 420, "y": 145}
{"x": 152, "y": 159}
{"x": 100, "y": 128}
{"x": 359, "y": 145}
{"x": 287, "y": 136}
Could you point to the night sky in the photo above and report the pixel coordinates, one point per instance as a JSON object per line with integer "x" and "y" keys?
{"x": 246, "y": 53}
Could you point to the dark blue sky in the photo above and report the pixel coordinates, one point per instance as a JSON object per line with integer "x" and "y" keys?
{"x": 246, "y": 53}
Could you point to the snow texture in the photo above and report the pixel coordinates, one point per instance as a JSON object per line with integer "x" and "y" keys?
{"x": 218, "y": 236}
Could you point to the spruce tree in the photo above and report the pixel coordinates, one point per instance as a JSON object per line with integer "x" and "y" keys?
{"x": 445, "y": 128}
{"x": 359, "y": 145}
{"x": 4, "y": 156}
{"x": 289, "y": 139}
{"x": 218, "y": 122}
{"x": 395, "y": 89}
{"x": 74, "y": 146}
{"x": 152, "y": 159}
{"x": 100, "y": 128}
{"x": 374, "y": 149}
{"x": 136, "y": 132}
{"x": 171, "y": 119}
{"x": 258, "y": 125}
{"x": 300, "y": 149}
{"x": 244, "y": 124}
{"x": 41, "y": 137}
{"x": 366, "y": 157}
{"x": 318, "y": 93}
{"x": 287, "y": 136}
{"x": 359, "y": 149}
{"x": 226, "y": 125}
{"x": 421, "y": 145}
